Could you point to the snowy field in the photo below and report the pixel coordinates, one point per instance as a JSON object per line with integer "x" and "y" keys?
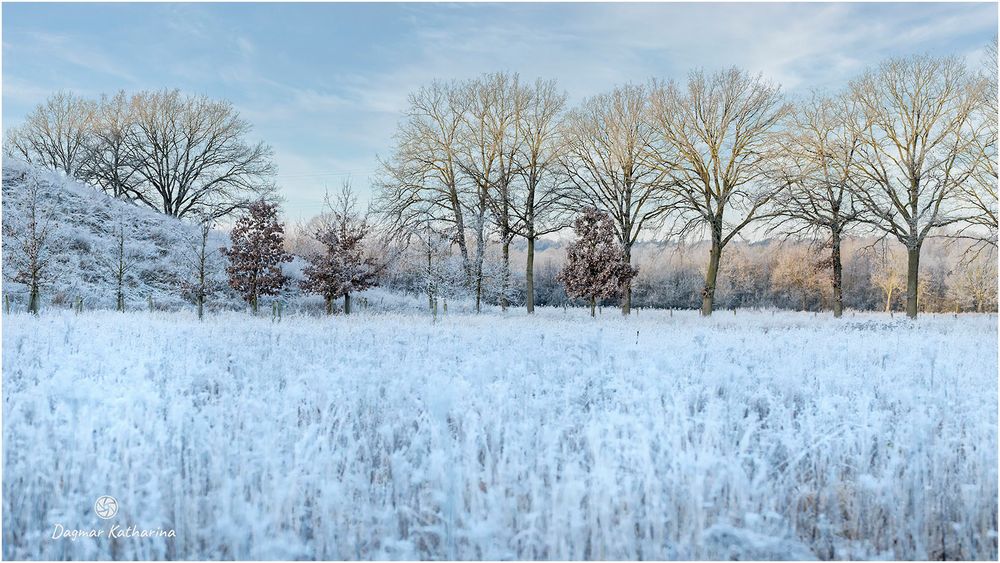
{"x": 756, "y": 436}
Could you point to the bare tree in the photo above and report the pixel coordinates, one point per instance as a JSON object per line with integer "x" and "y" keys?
{"x": 917, "y": 135}
{"x": 715, "y": 141}
{"x": 27, "y": 241}
{"x": 488, "y": 141}
{"x": 979, "y": 194}
{"x": 978, "y": 283}
{"x": 535, "y": 199}
{"x": 55, "y": 135}
{"x": 608, "y": 164}
{"x": 818, "y": 160}
{"x": 202, "y": 266}
{"x": 796, "y": 271}
{"x": 113, "y": 163}
{"x": 122, "y": 259}
{"x": 887, "y": 273}
{"x": 193, "y": 156}
{"x": 420, "y": 182}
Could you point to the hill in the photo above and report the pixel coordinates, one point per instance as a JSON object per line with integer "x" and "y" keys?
{"x": 82, "y": 256}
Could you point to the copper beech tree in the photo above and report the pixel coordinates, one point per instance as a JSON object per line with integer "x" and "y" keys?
{"x": 257, "y": 253}
{"x": 597, "y": 265}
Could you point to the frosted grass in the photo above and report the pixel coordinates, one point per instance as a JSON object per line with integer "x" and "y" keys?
{"x": 388, "y": 436}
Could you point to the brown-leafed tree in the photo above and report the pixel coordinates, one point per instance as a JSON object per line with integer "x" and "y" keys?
{"x": 257, "y": 253}
{"x": 607, "y": 159}
{"x": 343, "y": 266}
{"x": 917, "y": 149}
{"x": 715, "y": 140}
{"x": 597, "y": 264}
{"x": 816, "y": 165}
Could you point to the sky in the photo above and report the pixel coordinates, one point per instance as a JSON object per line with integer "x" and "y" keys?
{"x": 325, "y": 84}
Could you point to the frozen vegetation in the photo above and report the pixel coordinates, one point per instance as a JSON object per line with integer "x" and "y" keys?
{"x": 750, "y": 436}
{"x": 158, "y": 249}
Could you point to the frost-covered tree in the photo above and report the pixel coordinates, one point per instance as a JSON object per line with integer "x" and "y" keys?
{"x": 487, "y": 157}
{"x": 977, "y": 285}
{"x": 597, "y": 265}
{"x": 798, "y": 274}
{"x": 201, "y": 262}
{"x": 421, "y": 181}
{"x": 257, "y": 253}
{"x": 123, "y": 257}
{"x": 27, "y": 242}
{"x": 343, "y": 266}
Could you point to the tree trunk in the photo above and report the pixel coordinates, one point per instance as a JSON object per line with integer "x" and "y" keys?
{"x": 201, "y": 306}
{"x": 711, "y": 276}
{"x": 479, "y": 291}
{"x": 33, "y": 299}
{"x": 347, "y": 303}
{"x": 529, "y": 277}
{"x": 593, "y": 305}
{"x": 120, "y": 302}
{"x": 505, "y": 274}
{"x": 329, "y": 305}
{"x": 430, "y": 290}
{"x": 838, "y": 275}
{"x": 463, "y": 246}
{"x": 888, "y": 300}
{"x": 912, "y": 271}
{"x": 627, "y": 294}
{"x": 253, "y": 304}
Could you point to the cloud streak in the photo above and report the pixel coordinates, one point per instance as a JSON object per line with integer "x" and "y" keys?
{"x": 325, "y": 83}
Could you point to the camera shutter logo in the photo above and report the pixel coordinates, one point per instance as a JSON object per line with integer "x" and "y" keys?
{"x": 106, "y": 507}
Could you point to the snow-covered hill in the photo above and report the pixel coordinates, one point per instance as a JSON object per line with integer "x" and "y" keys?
{"x": 84, "y": 222}
{"x": 160, "y": 249}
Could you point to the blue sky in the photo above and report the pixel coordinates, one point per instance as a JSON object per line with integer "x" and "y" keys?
{"x": 324, "y": 84}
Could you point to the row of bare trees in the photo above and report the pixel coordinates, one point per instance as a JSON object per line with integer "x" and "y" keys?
{"x": 179, "y": 154}
{"x": 474, "y": 158}
{"x": 907, "y": 150}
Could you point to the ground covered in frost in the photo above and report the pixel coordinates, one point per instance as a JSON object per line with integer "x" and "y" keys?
{"x": 659, "y": 436}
